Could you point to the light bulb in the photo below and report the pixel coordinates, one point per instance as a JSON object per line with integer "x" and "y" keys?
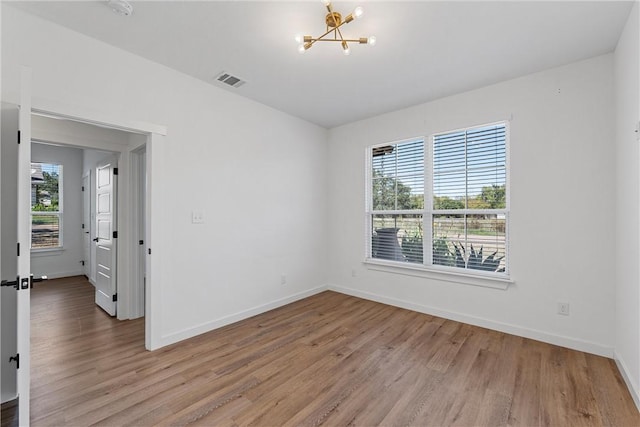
{"x": 345, "y": 48}
{"x": 299, "y": 38}
{"x": 371, "y": 41}
{"x": 357, "y": 12}
{"x": 301, "y": 48}
{"x": 326, "y": 2}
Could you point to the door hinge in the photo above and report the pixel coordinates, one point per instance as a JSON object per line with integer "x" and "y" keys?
{"x": 83, "y": 188}
{"x": 83, "y": 226}
{"x": 18, "y": 248}
{"x": 149, "y": 251}
{"x": 114, "y": 298}
{"x": 19, "y": 137}
{"x": 115, "y": 171}
{"x": 115, "y": 234}
{"x": 16, "y": 359}
{"x": 141, "y": 242}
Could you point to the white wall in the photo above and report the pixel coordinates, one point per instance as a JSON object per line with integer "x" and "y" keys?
{"x": 258, "y": 174}
{"x": 562, "y": 175}
{"x": 66, "y": 262}
{"x": 627, "y": 95}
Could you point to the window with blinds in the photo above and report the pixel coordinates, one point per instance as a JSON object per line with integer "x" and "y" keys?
{"x": 464, "y": 224}
{"x": 46, "y": 206}
{"x": 397, "y": 201}
{"x": 469, "y": 211}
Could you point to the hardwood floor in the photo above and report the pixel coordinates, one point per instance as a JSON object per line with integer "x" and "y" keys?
{"x": 328, "y": 360}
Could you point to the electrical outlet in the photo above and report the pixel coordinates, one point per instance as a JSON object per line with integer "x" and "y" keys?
{"x": 283, "y": 279}
{"x": 563, "y": 308}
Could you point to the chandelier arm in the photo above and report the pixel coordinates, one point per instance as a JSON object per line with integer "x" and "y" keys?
{"x": 329, "y": 8}
{"x": 338, "y": 40}
{"x": 340, "y": 32}
{"x": 327, "y": 32}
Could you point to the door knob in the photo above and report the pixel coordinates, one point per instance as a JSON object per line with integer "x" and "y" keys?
{"x": 96, "y": 239}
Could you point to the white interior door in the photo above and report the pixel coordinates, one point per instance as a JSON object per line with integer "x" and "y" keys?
{"x": 86, "y": 225}
{"x": 106, "y": 235}
{"x": 9, "y": 265}
{"x": 24, "y": 255}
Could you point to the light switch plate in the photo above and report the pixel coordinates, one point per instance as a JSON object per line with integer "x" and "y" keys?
{"x": 197, "y": 217}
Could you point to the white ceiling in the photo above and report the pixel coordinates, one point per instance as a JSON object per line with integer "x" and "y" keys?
{"x": 426, "y": 50}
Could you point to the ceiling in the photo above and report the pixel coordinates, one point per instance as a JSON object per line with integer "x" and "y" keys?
{"x": 425, "y": 50}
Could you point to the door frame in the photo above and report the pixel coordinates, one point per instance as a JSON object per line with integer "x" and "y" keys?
{"x": 154, "y": 138}
{"x": 139, "y": 232}
{"x": 86, "y": 224}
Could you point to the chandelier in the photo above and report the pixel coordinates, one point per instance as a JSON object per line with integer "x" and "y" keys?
{"x": 334, "y": 21}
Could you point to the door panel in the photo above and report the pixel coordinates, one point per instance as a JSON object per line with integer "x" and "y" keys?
{"x": 9, "y": 221}
{"x": 106, "y": 286}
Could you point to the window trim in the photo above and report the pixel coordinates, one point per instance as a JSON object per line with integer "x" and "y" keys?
{"x": 51, "y": 250}
{"x": 429, "y": 270}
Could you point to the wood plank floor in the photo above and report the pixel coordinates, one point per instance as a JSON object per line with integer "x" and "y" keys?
{"x": 329, "y": 360}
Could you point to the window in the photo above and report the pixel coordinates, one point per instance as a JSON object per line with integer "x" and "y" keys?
{"x": 46, "y": 206}
{"x": 445, "y": 208}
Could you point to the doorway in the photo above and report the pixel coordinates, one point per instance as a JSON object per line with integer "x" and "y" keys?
{"x": 92, "y": 240}
{"x": 142, "y": 133}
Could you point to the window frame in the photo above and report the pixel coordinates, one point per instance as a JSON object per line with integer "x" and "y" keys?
{"x": 427, "y": 268}
{"x": 59, "y": 213}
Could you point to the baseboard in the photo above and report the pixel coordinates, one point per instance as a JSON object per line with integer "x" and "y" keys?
{"x": 65, "y": 274}
{"x": 634, "y": 388}
{"x": 572, "y": 343}
{"x": 236, "y": 317}
{"x": 10, "y": 402}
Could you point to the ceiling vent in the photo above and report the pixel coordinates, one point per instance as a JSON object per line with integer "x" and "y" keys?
{"x": 230, "y": 80}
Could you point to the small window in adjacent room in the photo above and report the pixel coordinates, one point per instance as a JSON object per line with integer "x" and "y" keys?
{"x": 46, "y": 206}
{"x": 444, "y": 208}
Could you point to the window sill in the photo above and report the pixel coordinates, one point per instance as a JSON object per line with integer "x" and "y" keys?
{"x": 47, "y": 252}
{"x": 439, "y": 274}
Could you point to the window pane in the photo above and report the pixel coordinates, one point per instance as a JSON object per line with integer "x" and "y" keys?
{"x": 45, "y": 187}
{"x": 476, "y": 242}
{"x": 398, "y": 176}
{"x": 397, "y": 238}
{"x": 486, "y": 242}
{"x": 447, "y": 230}
{"x": 449, "y": 178}
{"x": 45, "y": 231}
{"x": 469, "y": 169}
{"x": 486, "y": 163}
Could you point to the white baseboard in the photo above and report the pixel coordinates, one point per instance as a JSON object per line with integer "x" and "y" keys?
{"x": 572, "y": 343}
{"x": 65, "y": 274}
{"x": 236, "y": 317}
{"x": 634, "y": 388}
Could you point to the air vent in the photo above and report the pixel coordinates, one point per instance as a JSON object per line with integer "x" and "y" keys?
{"x": 230, "y": 80}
